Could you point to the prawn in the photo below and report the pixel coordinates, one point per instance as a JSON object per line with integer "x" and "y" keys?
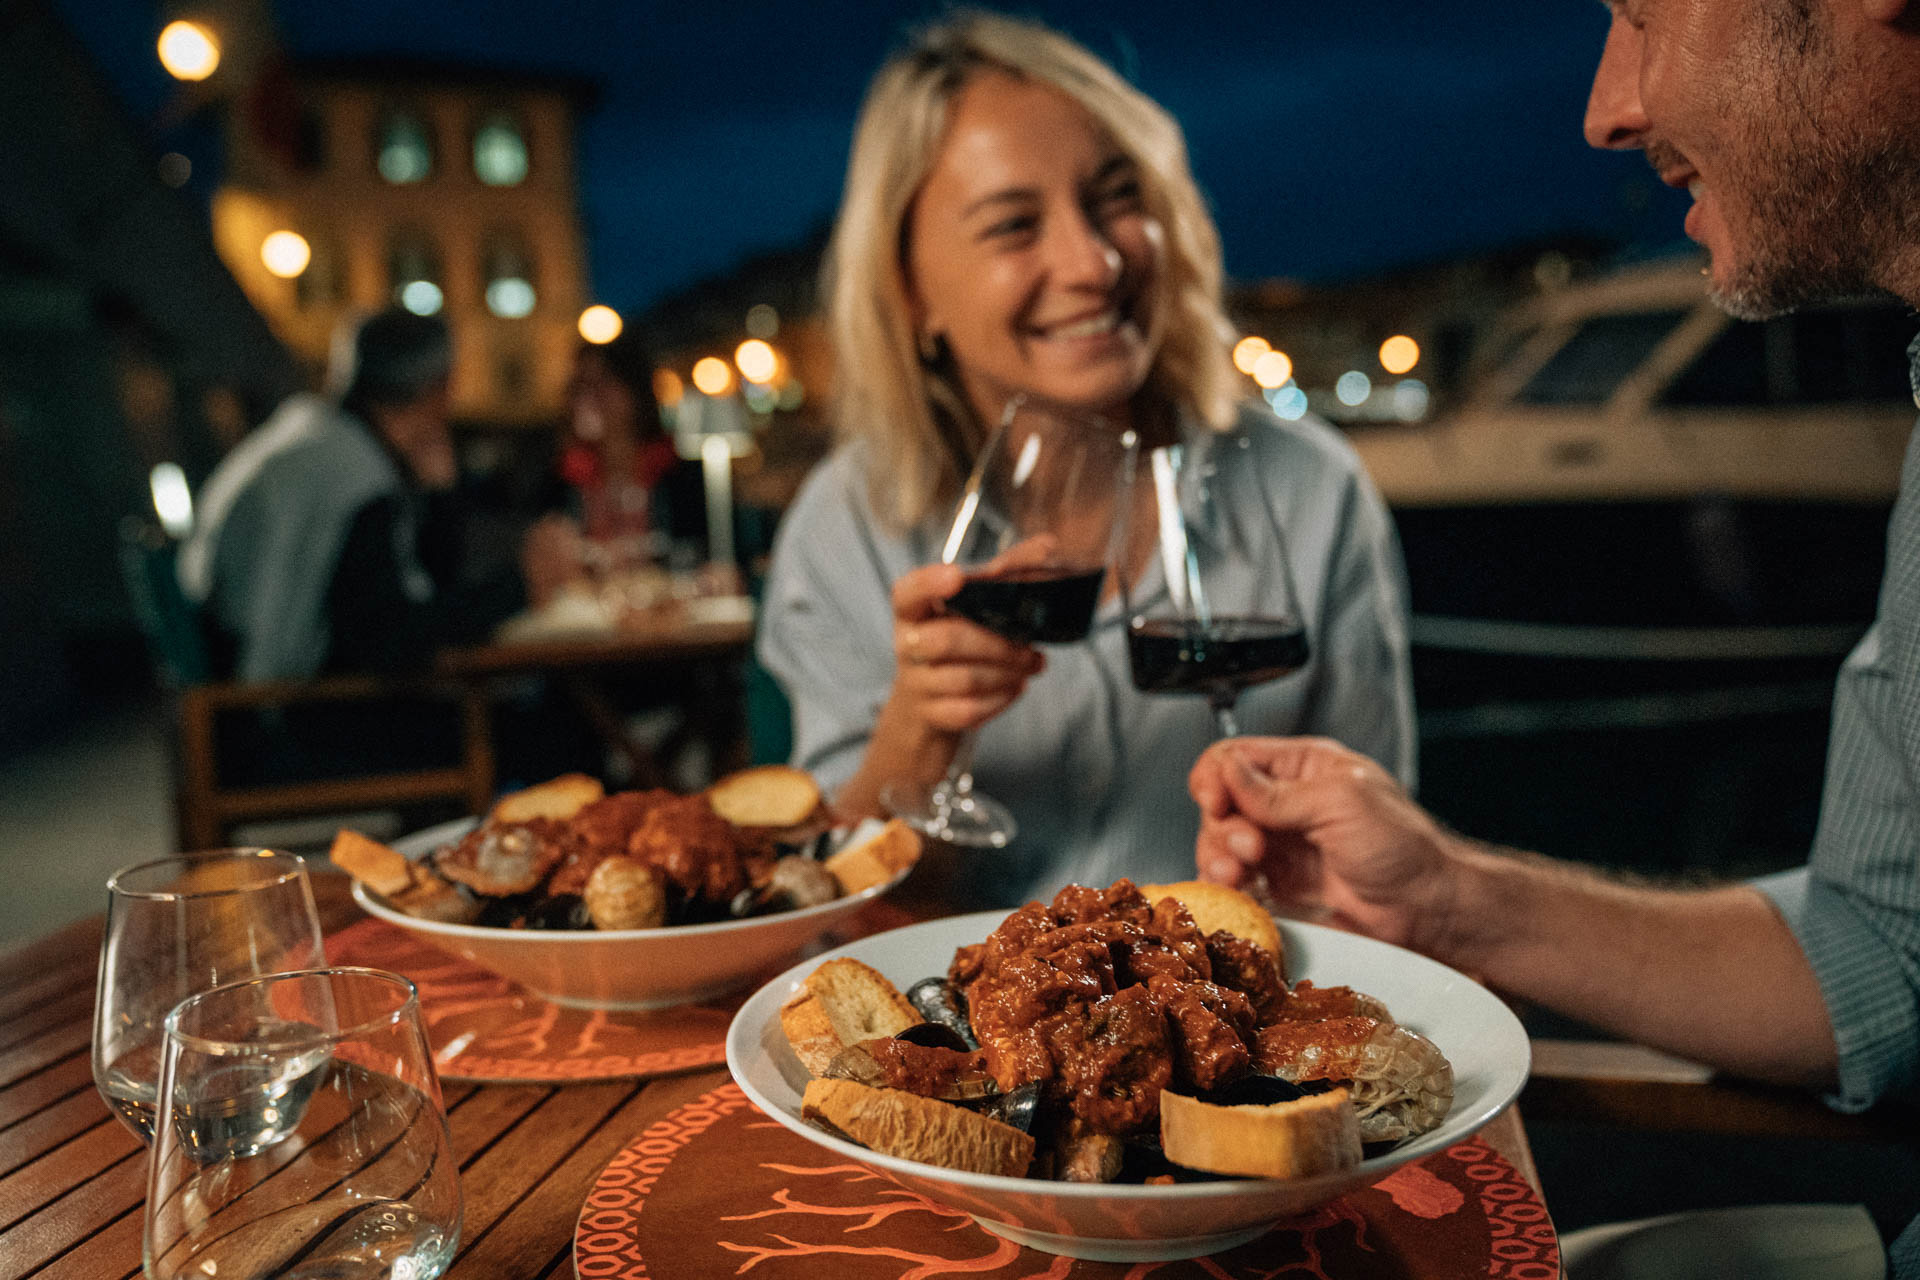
{"x": 1400, "y": 1082}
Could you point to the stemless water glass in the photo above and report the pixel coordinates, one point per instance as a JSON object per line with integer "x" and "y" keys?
{"x": 1213, "y": 610}
{"x": 181, "y": 925}
{"x": 301, "y": 1133}
{"x": 1034, "y": 530}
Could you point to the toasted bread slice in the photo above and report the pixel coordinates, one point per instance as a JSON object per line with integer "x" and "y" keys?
{"x": 877, "y": 859}
{"x": 1215, "y": 907}
{"x": 385, "y": 871}
{"x": 772, "y": 795}
{"x": 842, "y": 1003}
{"x": 559, "y": 798}
{"x": 1301, "y": 1139}
{"x": 896, "y": 1123}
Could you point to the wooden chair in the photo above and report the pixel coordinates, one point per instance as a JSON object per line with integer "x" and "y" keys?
{"x": 208, "y": 804}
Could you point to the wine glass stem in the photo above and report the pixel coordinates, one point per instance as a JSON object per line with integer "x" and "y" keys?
{"x": 958, "y": 784}
{"x": 1224, "y": 717}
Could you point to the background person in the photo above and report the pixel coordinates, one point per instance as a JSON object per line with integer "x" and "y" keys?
{"x": 625, "y": 477}
{"x": 1796, "y": 125}
{"x": 1017, "y": 219}
{"x": 340, "y": 551}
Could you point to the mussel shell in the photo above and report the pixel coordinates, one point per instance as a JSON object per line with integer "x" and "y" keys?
{"x": 745, "y": 903}
{"x": 1259, "y": 1091}
{"x": 561, "y": 911}
{"x": 1018, "y": 1108}
{"x": 936, "y": 1035}
{"x": 940, "y": 1001}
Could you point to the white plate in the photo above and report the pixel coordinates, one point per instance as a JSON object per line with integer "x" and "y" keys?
{"x": 623, "y": 968}
{"x": 1123, "y": 1223}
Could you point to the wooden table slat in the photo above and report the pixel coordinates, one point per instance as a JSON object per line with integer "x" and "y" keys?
{"x": 45, "y": 1049}
{"x": 61, "y": 1011}
{"x": 24, "y": 1190}
{"x": 522, "y": 1243}
{"x": 21, "y": 1000}
{"x": 65, "y": 1120}
{"x": 77, "y": 945}
{"x": 74, "y": 1216}
{"x": 520, "y": 1159}
{"x": 43, "y": 1088}
{"x": 477, "y": 1123}
{"x": 111, "y": 1253}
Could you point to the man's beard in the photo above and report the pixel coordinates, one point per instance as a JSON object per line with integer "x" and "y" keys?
{"x": 1807, "y": 235}
{"x": 1812, "y": 221}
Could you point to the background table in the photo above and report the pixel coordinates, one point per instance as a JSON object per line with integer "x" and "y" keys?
{"x": 688, "y": 661}
{"x": 73, "y": 1178}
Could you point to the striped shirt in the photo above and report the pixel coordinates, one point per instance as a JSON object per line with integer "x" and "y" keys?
{"x": 1855, "y": 907}
{"x": 1094, "y": 771}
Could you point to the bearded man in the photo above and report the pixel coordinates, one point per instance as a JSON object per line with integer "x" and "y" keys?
{"x": 1795, "y": 124}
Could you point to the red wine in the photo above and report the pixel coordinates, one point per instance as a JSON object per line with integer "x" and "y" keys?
{"x": 1217, "y": 658}
{"x": 1044, "y": 606}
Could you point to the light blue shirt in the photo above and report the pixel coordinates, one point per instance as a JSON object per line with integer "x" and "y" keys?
{"x": 1095, "y": 771}
{"x": 1855, "y": 907}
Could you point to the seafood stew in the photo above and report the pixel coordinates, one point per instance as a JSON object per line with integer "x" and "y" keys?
{"x": 1070, "y": 1020}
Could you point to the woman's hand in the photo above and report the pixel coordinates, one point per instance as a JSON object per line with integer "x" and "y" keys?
{"x": 951, "y": 674}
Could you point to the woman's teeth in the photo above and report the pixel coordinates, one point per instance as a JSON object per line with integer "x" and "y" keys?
{"x": 1091, "y": 327}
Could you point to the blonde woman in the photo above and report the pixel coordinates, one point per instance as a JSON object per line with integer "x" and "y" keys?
{"x": 1018, "y": 220}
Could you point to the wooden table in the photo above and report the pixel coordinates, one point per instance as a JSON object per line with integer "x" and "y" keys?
{"x": 695, "y": 660}
{"x": 73, "y": 1178}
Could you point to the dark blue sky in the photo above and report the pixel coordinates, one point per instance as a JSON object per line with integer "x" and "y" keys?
{"x": 1333, "y": 141}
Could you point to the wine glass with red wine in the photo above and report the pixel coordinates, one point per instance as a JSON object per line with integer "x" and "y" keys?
{"x": 1210, "y": 601}
{"x": 1034, "y": 531}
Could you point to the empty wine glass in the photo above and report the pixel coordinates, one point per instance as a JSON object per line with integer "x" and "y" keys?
{"x": 1211, "y": 609}
{"x": 301, "y": 1132}
{"x": 182, "y": 925}
{"x": 1034, "y": 530}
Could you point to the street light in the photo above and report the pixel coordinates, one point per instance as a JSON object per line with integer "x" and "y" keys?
{"x": 712, "y": 376}
{"x": 600, "y": 324}
{"x": 756, "y": 361}
{"x": 188, "y": 51}
{"x": 1247, "y": 352}
{"x": 1272, "y": 369}
{"x": 286, "y": 253}
{"x": 1399, "y": 354}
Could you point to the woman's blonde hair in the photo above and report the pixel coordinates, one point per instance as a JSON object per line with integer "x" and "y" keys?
{"x": 920, "y": 433}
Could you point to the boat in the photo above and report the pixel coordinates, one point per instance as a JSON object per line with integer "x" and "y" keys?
{"x": 1638, "y": 545}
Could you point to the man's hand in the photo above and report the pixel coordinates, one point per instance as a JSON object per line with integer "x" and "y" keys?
{"x": 1326, "y": 828}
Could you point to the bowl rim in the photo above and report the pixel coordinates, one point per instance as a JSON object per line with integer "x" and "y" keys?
{"x": 741, "y": 1038}
{"x": 427, "y": 837}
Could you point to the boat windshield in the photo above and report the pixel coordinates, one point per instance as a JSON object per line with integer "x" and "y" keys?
{"x": 1591, "y": 364}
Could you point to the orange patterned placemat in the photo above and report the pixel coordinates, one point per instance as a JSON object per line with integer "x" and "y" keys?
{"x": 718, "y": 1189}
{"x": 485, "y": 1028}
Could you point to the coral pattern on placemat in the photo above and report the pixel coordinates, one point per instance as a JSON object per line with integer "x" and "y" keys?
{"x": 484, "y": 1028}
{"x": 717, "y": 1189}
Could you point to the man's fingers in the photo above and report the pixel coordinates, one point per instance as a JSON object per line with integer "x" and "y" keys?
{"x": 1279, "y": 805}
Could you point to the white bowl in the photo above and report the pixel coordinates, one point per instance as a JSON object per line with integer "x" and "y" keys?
{"x": 622, "y": 968}
{"x": 1124, "y": 1223}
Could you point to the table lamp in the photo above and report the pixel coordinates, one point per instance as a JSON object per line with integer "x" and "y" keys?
{"x": 716, "y": 430}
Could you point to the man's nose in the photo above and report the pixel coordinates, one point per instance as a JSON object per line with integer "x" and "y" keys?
{"x": 1616, "y": 120}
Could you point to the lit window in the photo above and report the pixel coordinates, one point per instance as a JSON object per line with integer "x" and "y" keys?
{"x": 500, "y": 151}
{"x": 414, "y": 271}
{"x": 405, "y": 150}
{"x": 508, "y": 272}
